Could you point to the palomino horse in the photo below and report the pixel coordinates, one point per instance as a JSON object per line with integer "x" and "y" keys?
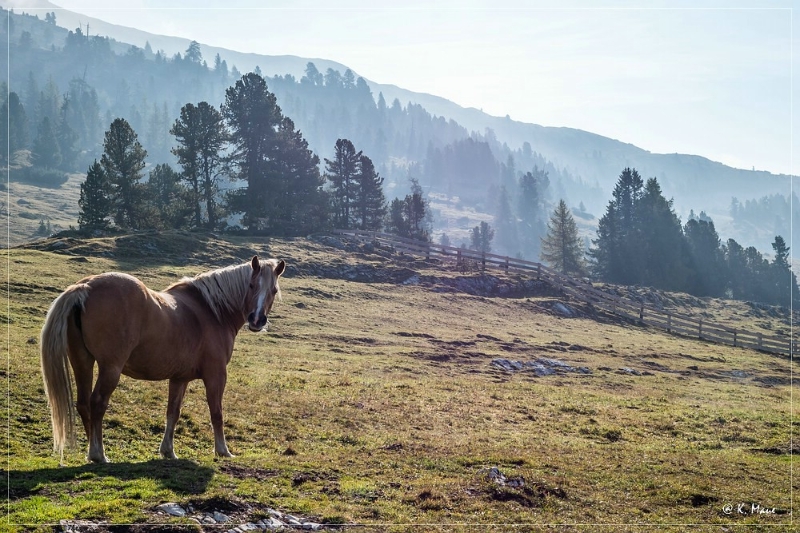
{"x": 184, "y": 333}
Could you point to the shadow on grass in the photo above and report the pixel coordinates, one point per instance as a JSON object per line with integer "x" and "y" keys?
{"x": 180, "y": 476}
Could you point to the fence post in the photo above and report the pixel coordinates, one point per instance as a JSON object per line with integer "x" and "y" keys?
{"x": 669, "y": 322}
{"x": 458, "y": 258}
{"x": 483, "y": 261}
{"x": 734, "y": 338}
{"x": 538, "y": 271}
{"x": 760, "y": 339}
{"x": 506, "y": 264}
{"x": 641, "y": 313}
{"x": 700, "y": 329}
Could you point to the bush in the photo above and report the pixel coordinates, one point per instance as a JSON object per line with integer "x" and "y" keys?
{"x": 41, "y": 177}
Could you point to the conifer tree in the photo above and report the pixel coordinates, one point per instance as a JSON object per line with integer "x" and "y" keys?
{"x": 171, "y": 200}
{"x": 341, "y": 172}
{"x": 299, "y": 205}
{"x": 369, "y": 201}
{"x": 201, "y": 135}
{"x": 46, "y": 152}
{"x": 123, "y": 161}
{"x": 481, "y": 237}
{"x": 562, "y": 246}
{"x": 253, "y": 116}
{"x": 94, "y": 202}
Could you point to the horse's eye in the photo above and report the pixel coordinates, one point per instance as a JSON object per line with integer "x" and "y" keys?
{"x": 251, "y": 286}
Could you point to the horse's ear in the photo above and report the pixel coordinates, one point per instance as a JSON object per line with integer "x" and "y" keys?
{"x": 256, "y": 264}
{"x": 280, "y": 267}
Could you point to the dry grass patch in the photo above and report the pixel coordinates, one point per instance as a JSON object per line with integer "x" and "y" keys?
{"x": 377, "y": 403}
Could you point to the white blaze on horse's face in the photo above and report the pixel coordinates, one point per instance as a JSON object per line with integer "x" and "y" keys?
{"x": 262, "y": 291}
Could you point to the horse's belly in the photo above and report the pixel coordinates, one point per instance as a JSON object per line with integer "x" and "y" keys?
{"x": 159, "y": 363}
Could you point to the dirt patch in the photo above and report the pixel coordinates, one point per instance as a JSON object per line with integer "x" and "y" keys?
{"x": 244, "y": 472}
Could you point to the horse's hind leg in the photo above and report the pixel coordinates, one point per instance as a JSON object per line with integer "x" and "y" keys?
{"x": 82, "y": 367}
{"x": 177, "y": 389}
{"x": 107, "y": 380}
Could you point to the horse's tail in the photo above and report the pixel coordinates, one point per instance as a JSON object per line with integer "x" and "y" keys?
{"x": 55, "y": 364}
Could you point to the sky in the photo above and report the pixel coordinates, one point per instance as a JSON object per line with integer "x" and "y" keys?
{"x": 712, "y": 78}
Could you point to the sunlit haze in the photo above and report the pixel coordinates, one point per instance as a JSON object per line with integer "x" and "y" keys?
{"x": 714, "y": 80}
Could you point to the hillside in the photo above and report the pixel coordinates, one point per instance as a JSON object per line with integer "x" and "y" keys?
{"x": 582, "y": 165}
{"x": 374, "y": 400}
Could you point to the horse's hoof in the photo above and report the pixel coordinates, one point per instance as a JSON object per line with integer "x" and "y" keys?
{"x": 224, "y": 454}
{"x": 99, "y": 460}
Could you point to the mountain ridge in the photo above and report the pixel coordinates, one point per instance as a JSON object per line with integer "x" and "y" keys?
{"x": 510, "y": 131}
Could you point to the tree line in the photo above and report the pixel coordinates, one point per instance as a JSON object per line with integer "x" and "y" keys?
{"x": 640, "y": 241}
{"x": 248, "y": 141}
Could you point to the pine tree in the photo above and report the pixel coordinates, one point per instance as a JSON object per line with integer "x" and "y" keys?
{"x": 618, "y": 249}
{"x": 562, "y": 246}
{"x": 123, "y": 161}
{"x": 201, "y": 135}
{"x": 253, "y": 116}
{"x": 481, "y": 238}
{"x": 341, "y": 172}
{"x": 533, "y": 187}
{"x": 171, "y": 200}
{"x": 299, "y": 205}
{"x": 506, "y": 223}
{"x": 369, "y": 200}
{"x": 707, "y": 259}
{"x": 94, "y": 202}
{"x": 663, "y": 249}
{"x": 46, "y": 152}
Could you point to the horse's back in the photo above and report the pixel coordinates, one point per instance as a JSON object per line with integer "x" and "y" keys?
{"x": 149, "y": 335}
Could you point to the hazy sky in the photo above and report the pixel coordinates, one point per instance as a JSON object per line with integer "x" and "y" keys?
{"x": 669, "y": 77}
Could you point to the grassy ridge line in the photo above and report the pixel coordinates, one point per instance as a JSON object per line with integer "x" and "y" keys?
{"x": 375, "y": 403}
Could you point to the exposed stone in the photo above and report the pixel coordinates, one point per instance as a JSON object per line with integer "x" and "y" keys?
{"x": 172, "y": 509}
{"x": 543, "y": 366}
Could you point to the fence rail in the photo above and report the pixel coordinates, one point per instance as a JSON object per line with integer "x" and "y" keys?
{"x": 583, "y": 291}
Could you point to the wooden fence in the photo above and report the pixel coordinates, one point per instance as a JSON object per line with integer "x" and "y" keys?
{"x": 583, "y": 291}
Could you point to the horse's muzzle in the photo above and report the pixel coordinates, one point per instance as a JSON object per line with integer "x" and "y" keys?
{"x": 256, "y": 325}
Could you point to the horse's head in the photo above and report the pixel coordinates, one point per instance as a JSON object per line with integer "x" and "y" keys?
{"x": 262, "y": 291}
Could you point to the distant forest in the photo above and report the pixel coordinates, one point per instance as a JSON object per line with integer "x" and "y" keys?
{"x": 70, "y": 95}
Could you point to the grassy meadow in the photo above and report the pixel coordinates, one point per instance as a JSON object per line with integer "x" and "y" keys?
{"x": 376, "y": 404}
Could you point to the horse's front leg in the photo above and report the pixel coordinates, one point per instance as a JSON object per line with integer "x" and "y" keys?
{"x": 177, "y": 390}
{"x": 215, "y": 387}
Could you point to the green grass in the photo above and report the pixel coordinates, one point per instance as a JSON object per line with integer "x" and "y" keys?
{"x": 374, "y": 403}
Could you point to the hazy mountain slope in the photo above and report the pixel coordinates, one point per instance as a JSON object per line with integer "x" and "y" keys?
{"x": 693, "y": 181}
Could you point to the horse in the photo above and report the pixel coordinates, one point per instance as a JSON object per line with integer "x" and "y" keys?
{"x": 180, "y": 334}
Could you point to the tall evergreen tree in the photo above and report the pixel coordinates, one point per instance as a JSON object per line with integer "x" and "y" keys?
{"x": 123, "y": 161}
{"x": 783, "y": 282}
{"x": 253, "y": 116}
{"x": 662, "y": 246}
{"x": 618, "y": 249}
{"x": 708, "y": 261}
{"x": 299, "y": 205}
{"x": 481, "y": 237}
{"x": 369, "y": 202}
{"x": 172, "y": 201}
{"x": 46, "y": 152}
{"x": 17, "y": 123}
{"x": 201, "y": 135}
{"x": 94, "y": 202}
{"x": 341, "y": 172}
{"x": 562, "y": 246}
{"x": 531, "y": 209}
{"x": 506, "y": 224}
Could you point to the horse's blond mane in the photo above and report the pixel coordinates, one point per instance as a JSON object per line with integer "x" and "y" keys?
{"x": 223, "y": 289}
